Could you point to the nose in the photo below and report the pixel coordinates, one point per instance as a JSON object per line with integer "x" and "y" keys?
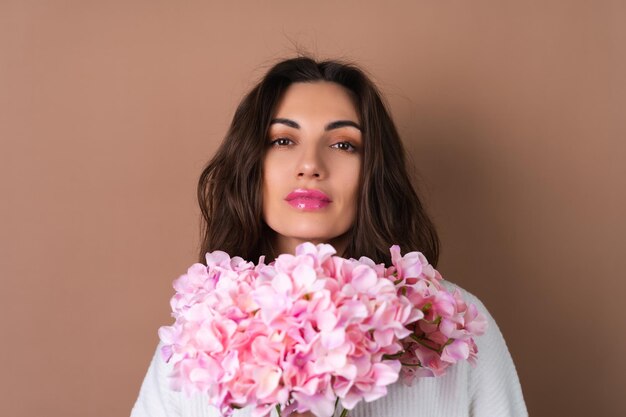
{"x": 311, "y": 164}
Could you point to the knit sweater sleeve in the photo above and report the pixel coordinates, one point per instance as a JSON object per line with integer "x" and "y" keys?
{"x": 494, "y": 387}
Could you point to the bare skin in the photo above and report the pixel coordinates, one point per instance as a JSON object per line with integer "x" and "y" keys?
{"x": 315, "y": 143}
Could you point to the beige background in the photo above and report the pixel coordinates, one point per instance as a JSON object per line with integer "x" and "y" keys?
{"x": 513, "y": 113}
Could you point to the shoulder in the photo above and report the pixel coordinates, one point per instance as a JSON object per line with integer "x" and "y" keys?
{"x": 494, "y": 385}
{"x": 467, "y": 296}
{"x": 492, "y": 328}
{"x": 492, "y": 342}
{"x": 156, "y": 396}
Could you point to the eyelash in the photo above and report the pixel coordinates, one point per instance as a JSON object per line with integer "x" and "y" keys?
{"x": 275, "y": 142}
{"x": 351, "y": 148}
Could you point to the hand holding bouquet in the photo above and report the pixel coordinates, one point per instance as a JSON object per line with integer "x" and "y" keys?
{"x": 312, "y": 330}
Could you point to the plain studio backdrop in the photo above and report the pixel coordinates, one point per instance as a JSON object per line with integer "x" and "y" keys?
{"x": 512, "y": 113}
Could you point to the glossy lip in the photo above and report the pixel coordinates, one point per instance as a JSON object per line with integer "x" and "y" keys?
{"x": 308, "y": 200}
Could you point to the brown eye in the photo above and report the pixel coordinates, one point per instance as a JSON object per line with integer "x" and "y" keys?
{"x": 281, "y": 142}
{"x": 344, "y": 146}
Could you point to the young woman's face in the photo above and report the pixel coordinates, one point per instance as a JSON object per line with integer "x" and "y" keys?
{"x": 312, "y": 166}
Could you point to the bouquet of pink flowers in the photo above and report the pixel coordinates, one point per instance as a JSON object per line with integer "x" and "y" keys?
{"x": 312, "y": 330}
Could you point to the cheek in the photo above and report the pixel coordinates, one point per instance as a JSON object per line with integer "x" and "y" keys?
{"x": 274, "y": 167}
{"x": 272, "y": 174}
{"x": 353, "y": 176}
{"x": 350, "y": 176}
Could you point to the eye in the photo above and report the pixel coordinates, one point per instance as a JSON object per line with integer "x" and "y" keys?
{"x": 280, "y": 142}
{"x": 344, "y": 146}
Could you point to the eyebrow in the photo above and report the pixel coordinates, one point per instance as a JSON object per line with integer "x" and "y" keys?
{"x": 330, "y": 126}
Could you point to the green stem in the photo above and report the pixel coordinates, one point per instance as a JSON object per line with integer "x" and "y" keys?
{"x": 278, "y": 409}
{"x": 394, "y": 356}
{"x": 344, "y": 413}
{"x": 421, "y": 342}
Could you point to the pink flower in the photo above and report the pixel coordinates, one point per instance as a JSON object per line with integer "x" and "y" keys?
{"x": 312, "y": 328}
{"x": 455, "y": 351}
{"x": 321, "y": 402}
{"x": 409, "y": 265}
{"x": 475, "y": 323}
{"x": 267, "y": 379}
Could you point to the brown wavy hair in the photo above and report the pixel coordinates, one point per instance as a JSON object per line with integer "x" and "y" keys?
{"x": 389, "y": 210}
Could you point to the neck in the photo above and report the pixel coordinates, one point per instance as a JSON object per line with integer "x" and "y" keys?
{"x": 283, "y": 244}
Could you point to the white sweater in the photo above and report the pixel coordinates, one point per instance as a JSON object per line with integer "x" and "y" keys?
{"x": 491, "y": 389}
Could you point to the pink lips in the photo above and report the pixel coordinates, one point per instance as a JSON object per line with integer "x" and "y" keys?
{"x": 307, "y": 199}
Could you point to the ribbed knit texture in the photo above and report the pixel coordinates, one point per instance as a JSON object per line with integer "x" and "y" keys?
{"x": 491, "y": 389}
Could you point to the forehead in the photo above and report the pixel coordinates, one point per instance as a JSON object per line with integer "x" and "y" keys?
{"x": 320, "y": 99}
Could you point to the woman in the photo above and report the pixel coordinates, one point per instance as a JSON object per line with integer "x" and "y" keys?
{"x": 313, "y": 155}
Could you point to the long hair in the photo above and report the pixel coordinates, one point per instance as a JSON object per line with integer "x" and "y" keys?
{"x": 388, "y": 208}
